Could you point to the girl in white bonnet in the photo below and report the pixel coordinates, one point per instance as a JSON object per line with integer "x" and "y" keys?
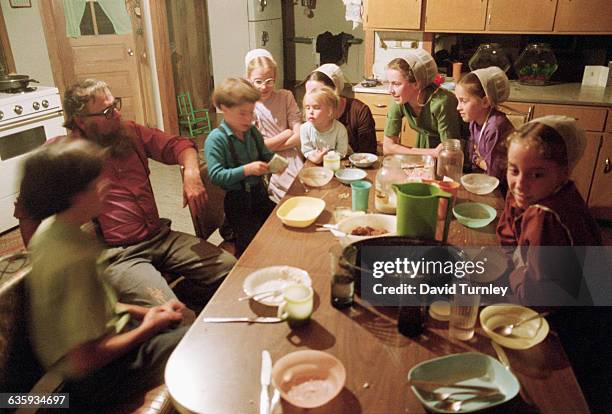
{"x": 277, "y": 117}
{"x": 478, "y": 93}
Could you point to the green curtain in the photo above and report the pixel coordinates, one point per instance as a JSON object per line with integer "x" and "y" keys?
{"x": 73, "y": 12}
{"x": 118, "y": 15}
{"x": 115, "y": 10}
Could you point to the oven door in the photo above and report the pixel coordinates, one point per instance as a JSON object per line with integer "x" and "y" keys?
{"x": 16, "y": 140}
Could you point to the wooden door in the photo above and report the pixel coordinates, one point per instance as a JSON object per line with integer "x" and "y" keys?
{"x": 582, "y": 174}
{"x": 97, "y": 54}
{"x": 583, "y": 16}
{"x": 455, "y": 15}
{"x": 392, "y": 14}
{"x": 600, "y": 198}
{"x": 521, "y": 15}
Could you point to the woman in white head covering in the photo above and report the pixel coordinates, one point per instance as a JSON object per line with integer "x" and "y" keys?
{"x": 479, "y": 92}
{"x": 429, "y": 110}
{"x": 277, "y": 117}
{"x": 351, "y": 112}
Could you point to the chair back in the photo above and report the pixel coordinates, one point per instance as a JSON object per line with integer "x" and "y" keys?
{"x": 517, "y": 118}
{"x": 19, "y": 367}
{"x": 185, "y": 106}
{"x": 211, "y": 218}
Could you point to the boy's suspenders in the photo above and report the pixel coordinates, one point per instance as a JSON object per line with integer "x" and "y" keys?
{"x": 234, "y": 155}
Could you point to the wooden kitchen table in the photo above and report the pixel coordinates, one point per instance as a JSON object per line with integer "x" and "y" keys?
{"x": 216, "y": 367}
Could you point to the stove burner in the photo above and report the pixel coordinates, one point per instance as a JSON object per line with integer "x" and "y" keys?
{"x": 19, "y": 90}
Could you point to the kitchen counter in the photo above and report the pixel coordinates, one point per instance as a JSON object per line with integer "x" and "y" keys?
{"x": 561, "y": 93}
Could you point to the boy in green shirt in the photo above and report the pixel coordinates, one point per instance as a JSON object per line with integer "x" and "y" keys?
{"x": 237, "y": 160}
{"x": 104, "y": 350}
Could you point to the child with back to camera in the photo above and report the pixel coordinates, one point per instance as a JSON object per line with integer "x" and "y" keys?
{"x": 100, "y": 347}
{"x": 479, "y": 92}
{"x": 277, "y": 117}
{"x": 322, "y": 132}
{"x": 237, "y": 159}
{"x": 543, "y": 208}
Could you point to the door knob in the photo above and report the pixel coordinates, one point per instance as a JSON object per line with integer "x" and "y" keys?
{"x": 263, "y": 4}
{"x": 265, "y": 38}
{"x": 606, "y": 166}
{"x": 130, "y": 51}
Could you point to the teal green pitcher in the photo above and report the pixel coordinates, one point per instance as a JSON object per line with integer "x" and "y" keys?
{"x": 417, "y": 210}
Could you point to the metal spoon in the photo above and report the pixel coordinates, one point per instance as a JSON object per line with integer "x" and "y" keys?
{"x": 306, "y": 189}
{"x": 261, "y": 295}
{"x": 451, "y": 404}
{"x": 506, "y": 330}
{"x": 444, "y": 396}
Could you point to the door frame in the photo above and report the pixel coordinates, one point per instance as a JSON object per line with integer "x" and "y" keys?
{"x": 52, "y": 15}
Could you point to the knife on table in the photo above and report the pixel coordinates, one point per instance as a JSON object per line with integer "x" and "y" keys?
{"x": 266, "y": 373}
{"x": 253, "y": 319}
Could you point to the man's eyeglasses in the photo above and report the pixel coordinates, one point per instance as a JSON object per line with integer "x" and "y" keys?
{"x": 261, "y": 82}
{"x": 109, "y": 110}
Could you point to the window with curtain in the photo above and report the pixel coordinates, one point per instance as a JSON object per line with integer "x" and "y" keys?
{"x": 96, "y": 17}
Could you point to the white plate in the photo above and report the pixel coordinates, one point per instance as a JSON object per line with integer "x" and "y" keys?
{"x": 274, "y": 278}
{"x": 524, "y": 336}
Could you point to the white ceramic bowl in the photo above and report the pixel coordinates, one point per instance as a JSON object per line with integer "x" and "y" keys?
{"x": 300, "y": 211}
{"x": 315, "y": 176}
{"x": 349, "y": 175}
{"x": 479, "y": 183}
{"x": 362, "y": 159}
{"x": 524, "y": 336}
{"x": 376, "y": 221}
{"x": 308, "y": 378}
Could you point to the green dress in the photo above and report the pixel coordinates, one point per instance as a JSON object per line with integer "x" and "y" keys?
{"x": 437, "y": 121}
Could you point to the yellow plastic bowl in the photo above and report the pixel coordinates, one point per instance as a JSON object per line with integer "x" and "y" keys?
{"x": 300, "y": 211}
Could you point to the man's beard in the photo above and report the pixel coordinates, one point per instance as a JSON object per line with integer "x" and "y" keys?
{"x": 118, "y": 142}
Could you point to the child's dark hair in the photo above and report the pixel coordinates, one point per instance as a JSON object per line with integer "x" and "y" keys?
{"x": 321, "y": 77}
{"x": 546, "y": 140}
{"x": 56, "y": 172}
{"x": 472, "y": 85}
{"x": 235, "y": 91}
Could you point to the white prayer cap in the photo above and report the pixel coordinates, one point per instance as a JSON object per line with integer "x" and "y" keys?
{"x": 495, "y": 84}
{"x": 255, "y": 53}
{"x": 422, "y": 64}
{"x": 573, "y": 136}
{"x": 333, "y": 72}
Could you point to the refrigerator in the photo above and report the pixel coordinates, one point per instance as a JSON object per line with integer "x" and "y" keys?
{"x": 237, "y": 26}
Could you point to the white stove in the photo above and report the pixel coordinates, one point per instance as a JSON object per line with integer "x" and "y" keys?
{"x": 18, "y": 106}
{"x": 27, "y": 120}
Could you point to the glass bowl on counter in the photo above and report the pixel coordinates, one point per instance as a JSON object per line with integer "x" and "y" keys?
{"x": 536, "y": 64}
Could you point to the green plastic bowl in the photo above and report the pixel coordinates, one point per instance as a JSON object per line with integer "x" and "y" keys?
{"x": 474, "y": 215}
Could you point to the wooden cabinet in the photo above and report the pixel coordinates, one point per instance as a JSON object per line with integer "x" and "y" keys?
{"x": 521, "y": 15}
{"x": 600, "y": 199}
{"x": 392, "y": 14}
{"x": 453, "y": 15}
{"x": 583, "y": 16}
{"x": 582, "y": 175}
{"x": 590, "y": 118}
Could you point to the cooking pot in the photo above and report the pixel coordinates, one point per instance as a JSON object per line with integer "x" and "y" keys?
{"x": 8, "y": 82}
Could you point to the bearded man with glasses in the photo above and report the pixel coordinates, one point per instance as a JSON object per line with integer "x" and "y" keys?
{"x": 140, "y": 245}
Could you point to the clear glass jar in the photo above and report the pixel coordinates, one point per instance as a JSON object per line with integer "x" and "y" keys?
{"x": 390, "y": 173}
{"x": 536, "y": 64}
{"x": 450, "y": 160}
{"x": 489, "y": 54}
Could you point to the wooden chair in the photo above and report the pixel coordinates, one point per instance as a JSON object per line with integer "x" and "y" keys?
{"x": 196, "y": 121}
{"x": 517, "y": 118}
{"x": 20, "y": 370}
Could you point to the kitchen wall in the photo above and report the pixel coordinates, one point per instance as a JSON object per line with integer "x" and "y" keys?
{"x": 328, "y": 16}
{"x": 27, "y": 39}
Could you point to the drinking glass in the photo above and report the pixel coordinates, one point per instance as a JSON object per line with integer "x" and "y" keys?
{"x": 464, "y": 311}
